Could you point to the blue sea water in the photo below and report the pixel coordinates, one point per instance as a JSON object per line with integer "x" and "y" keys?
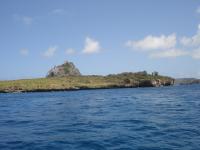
{"x": 166, "y": 118}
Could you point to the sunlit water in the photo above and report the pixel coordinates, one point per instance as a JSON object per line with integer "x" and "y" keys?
{"x": 142, "y": 119}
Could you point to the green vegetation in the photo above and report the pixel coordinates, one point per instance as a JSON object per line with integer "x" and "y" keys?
{"x": 140, "y": 79}
{"x": 66, "y": 69}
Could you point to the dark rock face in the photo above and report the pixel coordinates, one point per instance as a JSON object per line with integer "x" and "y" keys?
{"x": 66, "y": 69}
{"x": 146, "y": 83}
{"x": 156, "y": 83}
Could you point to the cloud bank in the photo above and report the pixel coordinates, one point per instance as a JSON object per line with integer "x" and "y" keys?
{"x": 168, "y": 46}
{"x": 152, "y": 42}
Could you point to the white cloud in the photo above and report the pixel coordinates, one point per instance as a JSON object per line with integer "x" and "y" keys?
{"x": 187, "y": 41}
{"x": 158, "y": 46}
{"x": 70, "y": 51}
{"x": 171, "y": 53}
{"x": 153, "y": 42}
{"x": 198, "y": 10}
{"x": 91, "y": 46}
{"x": 191, "y": 41}
{"x": 196, "y": 54}
{"x": 58, "y": 11}
{"x": 24, "y": 52}
{"x": 50, "y": 52}
{"x": 24, "y": 19}
{"x": 167, "y": 47}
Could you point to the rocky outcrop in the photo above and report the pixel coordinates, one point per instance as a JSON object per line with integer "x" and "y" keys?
{"x": 66, "y": 69}
{"x": 147, "y": 83}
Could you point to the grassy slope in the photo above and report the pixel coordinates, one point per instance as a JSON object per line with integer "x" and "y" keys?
{"x": 75, "y": 82}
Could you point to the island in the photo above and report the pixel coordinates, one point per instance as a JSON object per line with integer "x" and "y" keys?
{"x": 67, "y": 77}
{"x": 186, "y": 81}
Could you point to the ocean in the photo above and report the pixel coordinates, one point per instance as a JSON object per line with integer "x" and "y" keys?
{"x": 166, "y": 118}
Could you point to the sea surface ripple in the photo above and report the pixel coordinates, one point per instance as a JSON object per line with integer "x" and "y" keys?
{"x": 166, "y": 118}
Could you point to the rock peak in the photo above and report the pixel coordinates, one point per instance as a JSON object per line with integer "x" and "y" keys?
{"x": 66, "y": 69}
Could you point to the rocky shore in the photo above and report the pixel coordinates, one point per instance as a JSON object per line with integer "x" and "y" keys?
{"x": 67, "y": 77}
{"x": 125, "y": 80}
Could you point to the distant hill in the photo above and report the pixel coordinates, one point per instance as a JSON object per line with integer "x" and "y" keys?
{"x": 186, "y": 81}
{"x": 66, "y": 69}
{"x": 68, "y": 77}
{"x": 123, "y": 80}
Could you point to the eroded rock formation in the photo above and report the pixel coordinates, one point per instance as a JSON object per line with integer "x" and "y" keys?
{"x": 66, "y": 69}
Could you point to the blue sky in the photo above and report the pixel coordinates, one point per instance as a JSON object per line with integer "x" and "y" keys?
{"x": 100, "y": 37}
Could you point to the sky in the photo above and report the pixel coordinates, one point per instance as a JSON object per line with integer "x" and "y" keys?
{"x": 100, "y": 37}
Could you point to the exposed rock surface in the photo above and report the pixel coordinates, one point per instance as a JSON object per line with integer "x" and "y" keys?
{"x": 66, "y": 69}
{"x": 142, "y": 79}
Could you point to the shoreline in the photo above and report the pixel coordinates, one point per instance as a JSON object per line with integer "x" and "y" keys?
{"x": 75, "y": 83}
{"x": 80, "y": 89}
